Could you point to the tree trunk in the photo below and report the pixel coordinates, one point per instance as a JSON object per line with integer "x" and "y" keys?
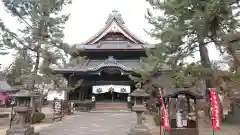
{"x": 206, "y": 63}
{"x": 37, "y": 62}
{"x": 39, "y": 45}
{"x": 33, "y": 100}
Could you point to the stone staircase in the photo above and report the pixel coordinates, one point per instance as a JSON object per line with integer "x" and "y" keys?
{"x": 111, "y": 107}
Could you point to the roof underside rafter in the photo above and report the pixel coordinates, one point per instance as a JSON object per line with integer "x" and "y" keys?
{"x": 114, "y": 24}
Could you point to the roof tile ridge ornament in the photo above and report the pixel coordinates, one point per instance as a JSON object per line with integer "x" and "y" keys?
{"x": 115, "y": 15}
{"x": 110, "y": 59}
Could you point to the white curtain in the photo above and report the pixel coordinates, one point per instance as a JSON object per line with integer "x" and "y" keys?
{"x": 108, "y": 88}
{"x": 122, "y": 89}
{"x": 100, "y": 89}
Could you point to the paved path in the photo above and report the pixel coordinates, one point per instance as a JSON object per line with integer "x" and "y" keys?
{"x": 93, "y": 124}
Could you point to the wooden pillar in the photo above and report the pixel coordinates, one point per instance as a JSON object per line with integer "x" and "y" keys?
{"x": 79, "y": 95}
{"x": 82, "y": 94}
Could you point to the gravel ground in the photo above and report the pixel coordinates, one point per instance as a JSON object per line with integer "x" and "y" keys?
{"x": 109, "y": 124}
{"x": 93, "y": 124}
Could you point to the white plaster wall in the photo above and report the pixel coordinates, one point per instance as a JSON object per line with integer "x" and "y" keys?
{"x": 56, "y": 94}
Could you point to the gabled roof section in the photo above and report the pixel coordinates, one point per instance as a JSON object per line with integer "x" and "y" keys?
{"x": 114, "y": 24}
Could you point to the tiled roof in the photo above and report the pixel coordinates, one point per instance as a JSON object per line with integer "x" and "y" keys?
{"x": 114, "y": 46}
{"x": 190, "y": 92}
{"x": 95, "y": 65}
{"x": 114, "y": 18}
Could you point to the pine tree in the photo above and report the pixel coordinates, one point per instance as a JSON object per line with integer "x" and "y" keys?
{"x": 42, "y": 36}
{"x": 189, "y": 26}
{"x": 21, "y": 66}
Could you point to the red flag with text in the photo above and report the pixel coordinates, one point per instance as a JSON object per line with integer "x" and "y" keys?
{"x": 165, "y": 120}
{"x": 215, "y": 108}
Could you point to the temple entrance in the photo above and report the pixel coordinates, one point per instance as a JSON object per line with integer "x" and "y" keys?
{"x": 111, "y": 85}
{"x": 111, "y": 93}
{"x": 111, "y": 97}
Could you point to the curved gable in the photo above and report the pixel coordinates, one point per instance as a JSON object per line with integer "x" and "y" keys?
{"x": 114, "y": 24}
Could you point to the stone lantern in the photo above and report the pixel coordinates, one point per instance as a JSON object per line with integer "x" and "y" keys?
{"x": 22, "y": 99}
{"x": 139, "y": 95}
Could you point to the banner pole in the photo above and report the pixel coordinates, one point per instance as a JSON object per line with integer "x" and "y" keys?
{"x": 160, "y": 118}
{"x": 213, "y": 131}
{"x": 159, "y": 110}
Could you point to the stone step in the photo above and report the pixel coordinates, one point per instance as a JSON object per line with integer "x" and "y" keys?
{"x": 111, "y": 105}
{"x": 111, "y": 108}
{"x": 110, "y": 111}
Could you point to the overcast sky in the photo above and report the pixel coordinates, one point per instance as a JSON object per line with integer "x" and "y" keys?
{"x": 89, "y": 16}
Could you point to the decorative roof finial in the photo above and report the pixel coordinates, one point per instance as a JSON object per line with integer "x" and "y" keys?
{"x": 111, "y": 59}
{"x": 115, "y": 15}
{"x": 114, "y": 11}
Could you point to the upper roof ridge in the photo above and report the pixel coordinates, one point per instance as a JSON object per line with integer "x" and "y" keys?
{"x": 114, "y": 24}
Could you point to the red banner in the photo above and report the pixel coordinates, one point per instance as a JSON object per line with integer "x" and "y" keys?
{"x": 215, "y": 108}
{"x": 165, "y": 120}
